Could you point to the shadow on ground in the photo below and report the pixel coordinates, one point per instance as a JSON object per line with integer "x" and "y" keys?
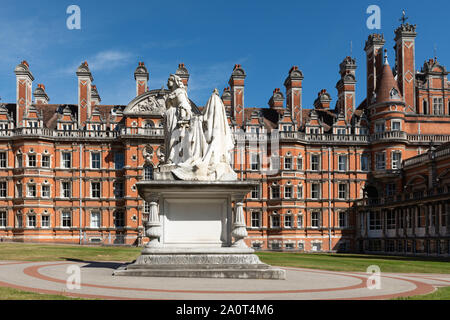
{"x": 96, "y": 264}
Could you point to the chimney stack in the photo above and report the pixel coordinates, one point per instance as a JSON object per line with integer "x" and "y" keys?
{"x": 84, "y": 93}
{"x": 293, "y": 84}
{"x": 141, "y": 76}
{"x": 40, "y": 96}
{"x": 24, "y": 84}
{"x": 236, "y": 83}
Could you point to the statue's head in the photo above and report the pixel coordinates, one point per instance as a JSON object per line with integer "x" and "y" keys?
{"x": 174, "y": 82}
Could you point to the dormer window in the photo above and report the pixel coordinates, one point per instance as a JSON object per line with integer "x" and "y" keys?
{"x": 340, "y": 131}
{"x": 32, "y": 124}
{"x": 67, "y": 127}
{"x": 287, "y": 127}
{"x": 394, "y": 94}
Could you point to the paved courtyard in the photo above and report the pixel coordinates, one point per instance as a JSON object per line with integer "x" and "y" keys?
{"x": 97, "y": 282}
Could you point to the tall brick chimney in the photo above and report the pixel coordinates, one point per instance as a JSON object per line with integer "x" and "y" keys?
{"x": 405, "y": 48}
{"x": 40, "y": 96}
{"x": 346, "y": 87}
{"x": 293, "y": 84}
{"x": 141, "y": 76}
{"x": 236, "y": 83}
{"x": 24, "y": 84}
{"x": 374, "y": 55}
{"x": 84, "y": 93}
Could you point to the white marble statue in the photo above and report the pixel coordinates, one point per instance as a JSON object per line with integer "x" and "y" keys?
{"x": 197, "y": 146}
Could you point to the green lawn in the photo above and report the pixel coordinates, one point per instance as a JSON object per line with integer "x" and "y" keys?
{"x": 440, "y": 294}
{"x": 325, "y": 261}
{"x": 357, "y": 262}
{"x": 14, "y": 294}
{"x": 48, "y": 252}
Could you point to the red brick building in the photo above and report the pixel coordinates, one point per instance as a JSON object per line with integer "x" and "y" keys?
{"x": 68, "y": 172}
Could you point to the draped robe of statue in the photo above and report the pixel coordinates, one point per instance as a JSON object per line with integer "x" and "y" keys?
{"x": 198, "y": 146}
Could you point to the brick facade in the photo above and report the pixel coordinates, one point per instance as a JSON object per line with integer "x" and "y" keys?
{"x": 68, "y": 172}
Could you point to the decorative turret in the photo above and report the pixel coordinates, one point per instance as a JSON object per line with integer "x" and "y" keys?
{"x": 141, "y": 76}
{"x": 277, "y": 100}
{"x": 388, "y": 90}
{"x": 40, "y": 96}
{"x": 323, "y": 100}
{"x": 183, "y": 73}
{"x": 95, "y": 97}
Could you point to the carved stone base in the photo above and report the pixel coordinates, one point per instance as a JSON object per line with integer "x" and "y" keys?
{"x": 238, "y": 263}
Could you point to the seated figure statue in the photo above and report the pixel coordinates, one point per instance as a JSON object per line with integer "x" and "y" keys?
{"x": 197, "y": 146}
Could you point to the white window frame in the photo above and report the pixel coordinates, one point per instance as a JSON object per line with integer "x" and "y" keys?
{"x": 3, "y": 218}
{"x": 287, "y": 165}
{"x": 96, "y": 163}
{"x": 313, "y": 163}
{"x": 316, "y": 220}
{"x": 29, "y": 185}
{"x": 300, "y": 219}
{"x": 3, "y": 190}
{"x": 285, "y": 193}
{"x": 47, "y": 216}
{"x": 399, "y": 125}
{"x": 42, "y": 190}
{"x": 396, "y": 163}
{"x": 345, "y": 191}
{"x": 255, "y": 190}
{"x": 254, "y": 161}
{"x": 42, "y": 161}
{"x": 97, "y": 222}
{"x": 256, "y": 219}
{"x": 63, "y": 195}
{"x": 344, "y": 164}
{"x": 3, "y": 160}
{"x": 95, "y": 183}
{"x": 29, "y": 156}
{"x": 64, "y": 161}
{"x": 64, "y": 215}
{"x": 300, "y": 161}
{"x": 288, "y": 217}
{"x": 318, "y": 191}
{"x": 272, "y": 217}
{"x": 29, "y": 216}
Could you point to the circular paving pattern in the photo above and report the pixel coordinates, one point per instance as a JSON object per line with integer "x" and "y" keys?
{"x": 96, "y": 281}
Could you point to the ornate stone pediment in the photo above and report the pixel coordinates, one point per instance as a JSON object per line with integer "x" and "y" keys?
{"x": 149, "y": 103}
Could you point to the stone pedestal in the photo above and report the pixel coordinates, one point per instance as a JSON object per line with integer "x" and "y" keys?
{"x": 193, "y": 233}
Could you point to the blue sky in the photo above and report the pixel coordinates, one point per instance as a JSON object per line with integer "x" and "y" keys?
{"x": 209, "y": 37}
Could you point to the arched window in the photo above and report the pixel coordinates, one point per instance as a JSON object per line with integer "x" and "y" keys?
{"x": 148, "y": 173}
